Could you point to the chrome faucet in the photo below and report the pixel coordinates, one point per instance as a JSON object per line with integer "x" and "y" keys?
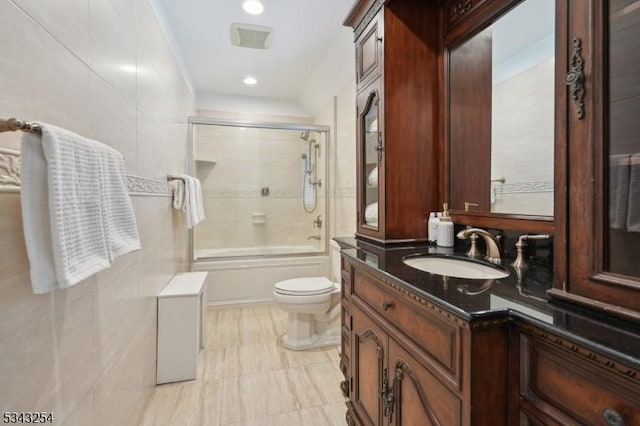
{"x": 493, "y": 254}
{"x": 314, "y": 237}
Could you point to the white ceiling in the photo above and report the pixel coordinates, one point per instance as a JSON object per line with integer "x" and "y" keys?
{"x": 304, "y": 33}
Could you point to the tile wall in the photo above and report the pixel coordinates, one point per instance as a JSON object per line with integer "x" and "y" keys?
{"x": 104, "y": 69}
{"x": 247, "y": 160}
{"x": 344, "y": 160}
{"x": 522, "y": 140}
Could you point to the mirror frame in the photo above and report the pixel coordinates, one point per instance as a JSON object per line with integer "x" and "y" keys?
{"x": 482, "y": 18}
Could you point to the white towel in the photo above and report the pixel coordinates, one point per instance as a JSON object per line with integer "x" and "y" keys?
{"x": 372, "y": 179}
{"x": 633, "y": 211}
{"x": 618, "y": 190}
{"x": 193, "y": 203}
{"x": 371, "y": 214}
{"x": 178, "y": 193}
{"x": 77, "y": 216}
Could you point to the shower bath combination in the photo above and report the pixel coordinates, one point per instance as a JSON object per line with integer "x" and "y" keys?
{"x": 310, "y": 181}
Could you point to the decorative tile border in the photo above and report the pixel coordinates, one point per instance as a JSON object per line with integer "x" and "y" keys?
{"x": 136, "y": 185}
{"x": 9, "y": 170}
{"x": 524, "y": 187}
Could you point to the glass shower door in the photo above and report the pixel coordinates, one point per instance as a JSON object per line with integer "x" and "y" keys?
{"x": 262, "y": 188}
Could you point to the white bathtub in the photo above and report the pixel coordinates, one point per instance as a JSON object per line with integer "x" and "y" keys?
{"x": 251, "y": 280}
{"x": 257, "y": 251}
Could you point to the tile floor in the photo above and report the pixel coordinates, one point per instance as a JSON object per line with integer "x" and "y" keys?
{"x": 247, "y": 378}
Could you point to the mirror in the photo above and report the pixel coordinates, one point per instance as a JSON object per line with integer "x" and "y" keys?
{"x": 501, "y": 114}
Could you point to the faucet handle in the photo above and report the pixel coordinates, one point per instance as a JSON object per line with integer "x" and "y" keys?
{"x": 473, "y": 250}
{"x": 467, "y": 204}
{"x": 521, "y": 245}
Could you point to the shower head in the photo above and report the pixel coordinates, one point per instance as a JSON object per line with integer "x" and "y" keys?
{"x": 304, "y": 135}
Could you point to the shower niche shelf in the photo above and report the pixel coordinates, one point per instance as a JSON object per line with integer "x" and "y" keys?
{"x": 206, "y": 162}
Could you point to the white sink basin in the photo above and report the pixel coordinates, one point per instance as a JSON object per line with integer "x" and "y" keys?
{"x": 453, "y": 267}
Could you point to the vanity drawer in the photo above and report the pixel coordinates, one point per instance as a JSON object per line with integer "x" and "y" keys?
{"x": 435, "y": 336}
{"x": 571, "y": 389}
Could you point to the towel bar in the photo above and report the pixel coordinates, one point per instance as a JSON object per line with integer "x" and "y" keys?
{"x": 14, "y": 124}
{"x": 173, "y": 177}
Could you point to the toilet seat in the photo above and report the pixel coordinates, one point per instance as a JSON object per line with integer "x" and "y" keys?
{"x": 310, "y": 286}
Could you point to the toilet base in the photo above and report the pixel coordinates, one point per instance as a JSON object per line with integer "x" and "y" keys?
{"x": 312, "y": 343}
{"x": 305, "y": 331}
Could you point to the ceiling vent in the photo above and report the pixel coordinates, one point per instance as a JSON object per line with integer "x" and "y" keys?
{"x": 252, "y": 36}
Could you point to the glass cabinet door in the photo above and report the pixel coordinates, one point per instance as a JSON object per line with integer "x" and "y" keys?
{"x": 622, "y": 244}
{"x": 603, "y": 140}
{"x": 371, "y": 161}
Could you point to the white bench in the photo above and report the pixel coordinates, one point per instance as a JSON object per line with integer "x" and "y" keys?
{"x": 181, "y": 327}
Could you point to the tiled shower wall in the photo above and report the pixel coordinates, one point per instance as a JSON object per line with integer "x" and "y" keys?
{"x": 344, "y": 161}
{"x": 238, "y": 163}
{"x": 104, "y": 69}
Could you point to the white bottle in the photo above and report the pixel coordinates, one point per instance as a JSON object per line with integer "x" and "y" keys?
{"x": 432, "y": 228}
{"x": 445, "y": 229}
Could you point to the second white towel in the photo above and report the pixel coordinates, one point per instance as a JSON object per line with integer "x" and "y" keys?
{"x": 187, "y": 197}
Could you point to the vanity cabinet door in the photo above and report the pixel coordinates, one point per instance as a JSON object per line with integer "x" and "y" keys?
{"x": 369, "y": 348}
{"x": 420, "y": 398}
{"x": 369, "y": 52}
{"x": 603, "y": 157}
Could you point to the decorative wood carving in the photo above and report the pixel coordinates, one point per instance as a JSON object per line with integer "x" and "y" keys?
{"x": 402, "y": 369}
{"x": 575, "y": 78}
{"x": 594, "y": 357}
{"x": 367, "y": 18}
{"x": 368, "y": 335}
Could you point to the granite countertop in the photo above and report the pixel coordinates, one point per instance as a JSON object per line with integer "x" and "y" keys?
{"x": 521, "y": 295}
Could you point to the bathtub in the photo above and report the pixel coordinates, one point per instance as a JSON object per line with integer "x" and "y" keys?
{"x": 249, "y": 276}
{"x": 257, "y": 251}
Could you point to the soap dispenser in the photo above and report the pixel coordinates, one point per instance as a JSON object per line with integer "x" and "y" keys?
{"x": 432, "y": 230}
{"x": 445, "y": 228}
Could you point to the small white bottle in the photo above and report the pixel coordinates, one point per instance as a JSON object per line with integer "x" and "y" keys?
{"x": 445, "y": 229}
{"x": 432, "y": 228}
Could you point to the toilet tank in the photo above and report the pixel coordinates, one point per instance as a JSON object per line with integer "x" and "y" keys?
{"x": 334, "y": 254}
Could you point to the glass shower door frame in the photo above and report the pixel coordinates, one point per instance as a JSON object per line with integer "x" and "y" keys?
{"x": 191, "y": 167}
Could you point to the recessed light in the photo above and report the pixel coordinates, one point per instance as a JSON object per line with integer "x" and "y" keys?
{"x": 250, "y": 81}
{"x": 252, "y": 7}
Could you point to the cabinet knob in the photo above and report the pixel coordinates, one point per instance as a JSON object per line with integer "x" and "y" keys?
{"x": 612, "y": 418}
{"x": 386, "y": 306}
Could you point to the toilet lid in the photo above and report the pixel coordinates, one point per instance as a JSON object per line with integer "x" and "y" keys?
{"x": 305, "y": 286}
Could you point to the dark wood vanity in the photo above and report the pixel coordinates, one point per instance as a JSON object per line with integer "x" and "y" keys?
{"x": 552, "y": 343}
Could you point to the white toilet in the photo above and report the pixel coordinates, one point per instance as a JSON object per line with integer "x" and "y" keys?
{"x": 313, "y": 304}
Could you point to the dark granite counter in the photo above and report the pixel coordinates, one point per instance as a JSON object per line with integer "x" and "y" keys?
{"x": 521, "y": 296}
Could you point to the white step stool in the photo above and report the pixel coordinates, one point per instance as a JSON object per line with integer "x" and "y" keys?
{"x": 181, "y": 327}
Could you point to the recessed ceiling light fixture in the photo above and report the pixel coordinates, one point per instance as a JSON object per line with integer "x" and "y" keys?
{"x": 253, "y": 7}
{"x": 250, "y": 81}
